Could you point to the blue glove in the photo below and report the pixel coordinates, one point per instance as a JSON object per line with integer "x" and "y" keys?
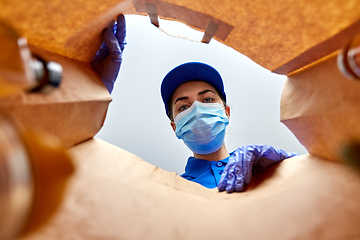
{"x": 244, "y": 160}
{"x": 107, "y": 60}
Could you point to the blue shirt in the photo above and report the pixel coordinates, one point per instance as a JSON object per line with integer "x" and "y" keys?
{"x": 208, "y": 173}
{"x": 204, "y": 172}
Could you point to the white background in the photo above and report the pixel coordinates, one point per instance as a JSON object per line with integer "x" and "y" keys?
{"x": 136, "y": 120}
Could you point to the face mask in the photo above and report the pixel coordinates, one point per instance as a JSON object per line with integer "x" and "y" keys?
{"x": 202, "y": 127}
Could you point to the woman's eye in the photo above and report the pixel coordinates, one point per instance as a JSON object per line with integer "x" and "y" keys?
{"x": 208, "y": 100}
{"x": 183, "y": 107}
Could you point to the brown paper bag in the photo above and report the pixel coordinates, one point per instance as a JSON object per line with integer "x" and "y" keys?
{"x": 281, "y": 36}
{"x": 71, "y": 28}
{"x": 116, "y": 195}
{"x": 321, "y": 107}
{"x": 74, "y": 112}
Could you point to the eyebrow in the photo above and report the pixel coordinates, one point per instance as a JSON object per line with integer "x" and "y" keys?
{"x": 199, "y": 94}
{"x": 205, "y": 91}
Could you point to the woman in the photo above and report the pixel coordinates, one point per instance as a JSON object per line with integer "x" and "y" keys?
{"x": 195, "y": 102}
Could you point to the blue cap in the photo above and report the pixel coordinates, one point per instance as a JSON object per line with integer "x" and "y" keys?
{"x": 192, "y": 71}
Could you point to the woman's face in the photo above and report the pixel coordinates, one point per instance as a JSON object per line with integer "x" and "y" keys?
{"x": 188, "y": 92}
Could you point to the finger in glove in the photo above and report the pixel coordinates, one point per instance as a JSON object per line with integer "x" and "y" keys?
{"x": 248, "y": 161}
{"x": 120, "y": 32}
{"x": 239, "y": 182}
{"x": 112, "y": 43}
{"x": 222, "y": 182}
{"x": 230, "y": 180}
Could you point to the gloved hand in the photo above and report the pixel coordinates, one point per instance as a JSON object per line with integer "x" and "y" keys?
{"x": 107, "y": 60}
{"x": 244, "y": 160}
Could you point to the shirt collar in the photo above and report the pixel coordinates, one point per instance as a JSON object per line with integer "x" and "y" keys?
{"x": 195, "y": 166}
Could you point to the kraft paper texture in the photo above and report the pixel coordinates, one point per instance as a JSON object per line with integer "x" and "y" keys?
{"x": 321, "y": 107}
{"x": 73, "y": 113}
{"x": 281, "y": 35}
{"x": 116, "y": 195}
{"x": 68, "y": 27}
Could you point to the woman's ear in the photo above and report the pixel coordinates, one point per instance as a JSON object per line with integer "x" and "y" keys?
{"x": 173, "y": 125}
{"x": 227, "y": 111}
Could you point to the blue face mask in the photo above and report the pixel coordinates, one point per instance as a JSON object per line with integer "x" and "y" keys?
{"x": 202, "y": 127}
